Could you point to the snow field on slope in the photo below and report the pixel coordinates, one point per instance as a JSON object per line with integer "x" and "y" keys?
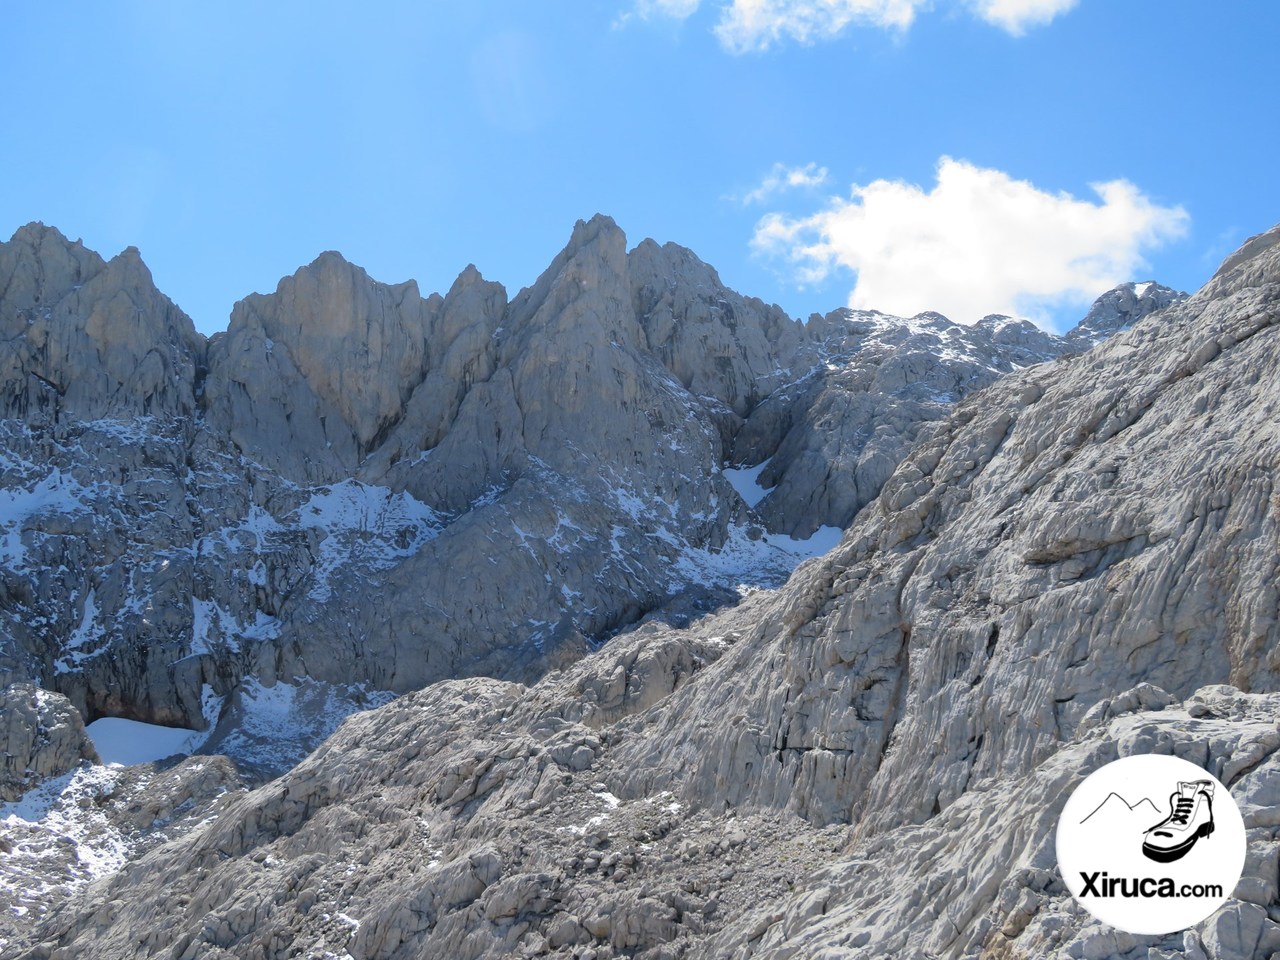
{"x": 349, "y": 512}
{"x": 59, "y": 838}
{"x": 128, "y": 742}
{"x": 746, "y": 480}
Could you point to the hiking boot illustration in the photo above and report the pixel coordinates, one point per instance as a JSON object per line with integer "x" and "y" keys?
{"x": 1190, "y": 818}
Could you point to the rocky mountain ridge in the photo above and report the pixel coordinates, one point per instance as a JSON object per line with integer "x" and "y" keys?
{"x": 183, "y": 513}
{"x": 1078, "y": 563}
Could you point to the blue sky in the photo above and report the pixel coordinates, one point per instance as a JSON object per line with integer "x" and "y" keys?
{"x": 937, "y": 155}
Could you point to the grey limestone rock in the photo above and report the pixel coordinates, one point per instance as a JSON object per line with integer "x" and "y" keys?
{"x": 719, "y": 345}
{"x": 981, "y": 879}
{"x": 307, "y": 380}
{"x": 982, "y": 605}
{"x": 832, "y": 438}
{"x": 1048, "y": 581}
{"x": 81, "y": 827}
{"x": 833, "y": 435}
{"x": 358, "y": 484}
{"x": 41, "y": 736}
{"x": 82, "y": 338}
{"x": 1119, "y": 309}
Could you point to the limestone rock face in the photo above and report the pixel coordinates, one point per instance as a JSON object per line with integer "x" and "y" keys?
{"x": 568, "y": 378}
{"x": 81, "y": 338}
{"x": 99, "y": 375}
{"x": 981, "y": 878}
{"x": 358, "y": 484}
{"x": 355, "y": 483}
{"x": 717, "y": 343}
{"x": 533, "y": 552}
{"x": 307, "y": 379}
{"x": 1119, "y": 309}
{"x": 981, "y": 605}
{"x": 461, "y": 354}
{"x": 41, "y": 736}
{"x": 832, "y": 436}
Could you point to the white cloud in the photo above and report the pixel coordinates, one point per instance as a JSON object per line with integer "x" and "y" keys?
{"x": 979, "y": 242}
{"x": 1015, "y": 16}
{"x": 783, "y": 178}
{"x": 750, "y": 25}
{"x": 747, "y": 25}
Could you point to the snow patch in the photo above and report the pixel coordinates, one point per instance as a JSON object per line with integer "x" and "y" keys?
{"x": 364, "y": 523}
{"x": 127, "y": 742}
{"x": 136, "y": 430}
{"x": 59, "y": 816}
{"x": 591, "y": 824}
{"x": 746, "y": 480}
{"x": 54, "y": 493}
{"x": 766, "y": 561}
{"x": 123, "y": 742}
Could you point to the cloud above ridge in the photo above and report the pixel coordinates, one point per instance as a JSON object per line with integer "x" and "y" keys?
{"x": 978, "y": 242}
{"x": 782, "y": 178}
{"x": 1018, "y": 16}
{"x": 753, "y": 25}
{"x": 748, "y": 25}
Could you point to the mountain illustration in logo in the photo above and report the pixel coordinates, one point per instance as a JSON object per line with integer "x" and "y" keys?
{"x": 1116, "y": 811}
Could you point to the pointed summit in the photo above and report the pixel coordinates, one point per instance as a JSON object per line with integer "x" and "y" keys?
{"x": 587, "y": 232}
{"x": 89, "y": 337}
{"x": 353, "y": 350}
{"x": 1119, "y": 309}
{"x": 40, "y": 265}
{"x": 593, "y": 263}
{"x": 36, "y": 232}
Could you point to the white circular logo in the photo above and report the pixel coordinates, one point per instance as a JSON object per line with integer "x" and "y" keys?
{"x": 1151, "y": 844}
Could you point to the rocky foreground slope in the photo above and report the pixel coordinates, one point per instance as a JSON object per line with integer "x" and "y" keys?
{"x": 1079, "y": 563}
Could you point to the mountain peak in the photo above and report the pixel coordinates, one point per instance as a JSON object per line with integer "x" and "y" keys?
{"x": 327, "y": 263}
{"x": 84, "y": 337}
{"x": 37, "y": 232}
{"x": 1120, "y": 308}
{"x": 600, "y": 228}
{"x": 62, "y": 262}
